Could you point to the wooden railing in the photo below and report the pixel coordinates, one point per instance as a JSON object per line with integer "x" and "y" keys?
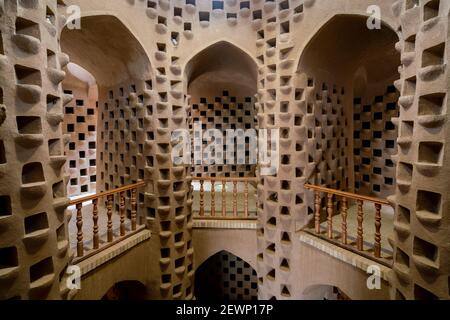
{"x": 109, "y": 202}
{"x": 238, "y": 211}
{"x": 345, "y": 197}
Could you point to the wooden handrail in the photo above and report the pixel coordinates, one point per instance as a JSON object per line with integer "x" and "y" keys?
{"x": 223, "y": 181}
{"x": 348, "y": 195}
{"x": 107, "y": 193}
{"x": 226, "y": 179}
{"x": 109, "y": 199}
{"x": 344, "y": 196}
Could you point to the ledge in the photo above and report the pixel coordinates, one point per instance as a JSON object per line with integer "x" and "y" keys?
{"x": 225, "y": 224}
{"x": 106, "y": 255}
{"x": 343, "y": 255}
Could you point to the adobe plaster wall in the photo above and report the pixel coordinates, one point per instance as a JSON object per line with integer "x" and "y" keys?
{"x": 149, "y": 41}
{"x": 132, "y": 265}
{"x": 80, "y": 122}
{"x": 34, "y": 250}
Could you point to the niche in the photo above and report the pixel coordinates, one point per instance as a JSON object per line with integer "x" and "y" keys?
{"x": 61, "y": 233}
{"x": 423, "y": 294}
{"x": 217, "y": 5}
{"x": 284, "y": 5}
{"x": 425, "y": 249}
{"x": 431, "y": 104}
{"x": 257, "y": 14}
{"x": 244, "y": 5}
{"x": 299, "y": 9}
{"x": 58, "y": 190}
{"x": 431, "y": 152}
{"x": 284, "y": 27}
{"x": 410, "y": 86}
{"x": 402, "y": 258}
{"x": 404, "y": 215}
{"x": 5, "y": 206}
{"x": 54, "y": 147}
{"x": 36, "y": 223}
{"x": 50, "y": 16}
{"x": 2, "y": 153}
{"x": 29, "y": 125}
{"x": 51, "y": 59}
{"x": 27, "y": 28}
{"x": 411, "y": 4}
{"x": 8, "y": 258}
{"x": 410, "y": 44}
{"x": 431, "y": 10}
{"x": 2, "y": 50}
{"x": 177, "y": 12}
{"x": 405, "y": 171}
{"x": 407, "y": 129}
{"x": 28, "y": 76}
{"x": 203, "y": 16}
{"x": 41, "y": 269}
{"x": 32, "y": 173}
{"x": 428, "y": 201}
{"x": 433, "y": 56}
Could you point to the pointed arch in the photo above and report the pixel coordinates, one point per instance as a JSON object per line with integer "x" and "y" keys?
{"x": 344, "y": 42}
{"x": 225, "y": 276}
{"x": 223, "y": 64}
{"x": 108, "y": 49}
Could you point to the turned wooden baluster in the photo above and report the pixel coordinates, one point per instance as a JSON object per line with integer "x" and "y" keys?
{"x": 109, "y": 212}
{"x": 360, "y": 239}
{"x": 133, "y": 210}
{"x": 344, "y": 210}
{"x": 317, "y": 211}
{"x": 122, "y": 214}
{"x": 246, "y": 200}
{"x": 95, "y": 218}
{"x": 235, "y": 210}
{"x": 202, "y": 198}
{"x": 224, "y": 198}
{"x": 80, "y": 249}
{"x": 330, "y": 215}
{"x": 213, "y": 198}
{"x": 377, "y": 245}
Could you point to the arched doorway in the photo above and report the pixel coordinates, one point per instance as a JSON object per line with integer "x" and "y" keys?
{"x": 126, "y": 290}
{"x": 351, "y": 71}
{"x": 221, "y": 81}
{"x": 351, "y": 104}
{"x": 225, "y": 277}
{"x": 106, "y": 149}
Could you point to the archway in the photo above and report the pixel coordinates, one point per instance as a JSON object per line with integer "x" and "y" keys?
{"x": 106, "y": 52}
{"x": 350, "y": 72}
{"x": 221, "y": 81}
{"x": 126, "y": 290}
{"x": 350, "y": 101}
{"x": 225, "y": 276}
